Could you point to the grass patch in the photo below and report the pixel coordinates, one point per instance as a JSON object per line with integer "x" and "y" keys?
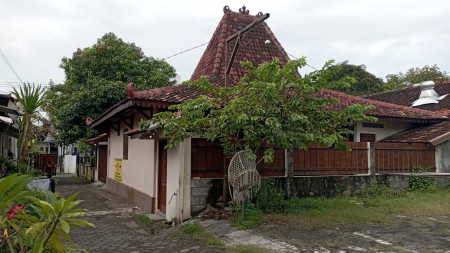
{"x": 144, "y": 218}
{"x": 318, "y": 212}
{"x": 247, "y": 249}
{"x": 197, "y": 232}
{"x": 249, "y": 216}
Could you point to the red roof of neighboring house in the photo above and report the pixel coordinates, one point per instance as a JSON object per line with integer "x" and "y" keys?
{"x": 408, "y": 95}
{"x": 97, "y": 139}
{"x": 252, "y": 47}
{"x": 170, "y": 94}
{"x": 435, "y": 134}
{"x": 382, "y": 109}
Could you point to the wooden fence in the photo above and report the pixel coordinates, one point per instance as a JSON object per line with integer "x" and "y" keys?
{"x": 319, "y": 161}
{"x": 46, "y": 163}
{"x": 402, "y": 157}
{"x": 208, "y": 160}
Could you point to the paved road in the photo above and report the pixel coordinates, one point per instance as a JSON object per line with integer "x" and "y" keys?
{"x": 118, "y": 230}
{"x": 116, "y": 227}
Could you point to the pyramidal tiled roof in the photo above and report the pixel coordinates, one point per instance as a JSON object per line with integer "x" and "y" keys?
{"x": 406, "y": 96}
{"x": 252, "y": 47}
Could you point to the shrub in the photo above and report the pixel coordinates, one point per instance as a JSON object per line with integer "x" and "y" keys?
{"x": 7, "y": 167}
{"x": 268, "y": 198}
{"x": 38, "y": 231}
{"x": 378, "y": 190}
{"x": 421, "y": 184}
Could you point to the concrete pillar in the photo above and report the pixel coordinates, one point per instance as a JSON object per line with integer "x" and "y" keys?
{"x": 371, "y": 153}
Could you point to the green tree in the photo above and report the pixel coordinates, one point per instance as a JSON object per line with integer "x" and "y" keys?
{"x": 96, "y": 79}
{"x": 270, "y": 107}
{"x": 365, "y": 83}
{"x": 30, "y": 98}
{"x": 415, "y": 75}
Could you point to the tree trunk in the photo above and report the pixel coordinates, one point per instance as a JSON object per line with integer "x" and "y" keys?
{"x": 289, "y": 172}
{"x": 24, "y": 137}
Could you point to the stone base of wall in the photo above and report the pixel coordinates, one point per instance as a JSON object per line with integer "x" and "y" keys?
{"x": 208, "y": 191}
{"x": 348, "y": 185}
{"x": 203, "y": 192}
{"x": 134, "y": 196}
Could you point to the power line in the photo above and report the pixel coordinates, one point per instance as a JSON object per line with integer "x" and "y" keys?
{"x": 19, "y": 84}
{"x": 185, "y": 51}
{"x": 9, "y": 65}
{"x": 297, "y": 59}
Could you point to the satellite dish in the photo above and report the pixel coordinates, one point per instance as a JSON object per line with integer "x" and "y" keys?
{"x": 242, "y": 177}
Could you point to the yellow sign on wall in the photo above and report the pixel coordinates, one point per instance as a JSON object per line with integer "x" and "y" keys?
{"x": 118, "y": 169}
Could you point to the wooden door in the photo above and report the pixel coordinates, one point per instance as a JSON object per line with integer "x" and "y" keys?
{"x": 102, "y": 163}
{"x": 162, "y": 177}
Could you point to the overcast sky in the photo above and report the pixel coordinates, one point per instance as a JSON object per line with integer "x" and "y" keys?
{"x": 385, "y": 35}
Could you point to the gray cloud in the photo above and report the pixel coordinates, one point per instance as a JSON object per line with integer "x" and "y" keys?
{"x": 386, "y": 36}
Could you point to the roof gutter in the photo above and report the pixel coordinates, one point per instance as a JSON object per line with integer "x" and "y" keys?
{"x": 440, "y": 139}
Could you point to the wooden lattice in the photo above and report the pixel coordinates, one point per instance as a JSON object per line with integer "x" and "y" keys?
{"x": 243, "y": 177}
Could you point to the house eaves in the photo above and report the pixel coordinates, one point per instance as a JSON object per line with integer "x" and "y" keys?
{"x": 125, "y": 106}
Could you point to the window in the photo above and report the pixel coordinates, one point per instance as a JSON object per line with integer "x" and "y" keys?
{"x": 125, "y": 144}
{"x": 366, "y": 137}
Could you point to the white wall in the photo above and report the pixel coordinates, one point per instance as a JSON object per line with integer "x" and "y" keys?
{"x": 179, "y": 182}
{"x": 442, "y": 156}
{"x": 139, "y": 170}
{"x": 70, "y": 163}
{"x": 174, "y": 157}
{"x": 389, "y": 128}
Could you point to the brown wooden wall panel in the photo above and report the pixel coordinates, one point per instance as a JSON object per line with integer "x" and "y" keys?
{"x": 46, "y": 163}
{"x": 274, "y": 169}
{"x": 403, "y": 157}
{"x": 207, "y": 159}
{"x": 321, "y": 161}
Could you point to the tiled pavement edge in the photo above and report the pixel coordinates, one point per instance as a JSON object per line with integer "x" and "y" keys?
{"x": 116, "y": 228}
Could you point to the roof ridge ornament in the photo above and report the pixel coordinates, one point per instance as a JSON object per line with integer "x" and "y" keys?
{"x": 226, "y": 9}
{"x": 244, "y": 10}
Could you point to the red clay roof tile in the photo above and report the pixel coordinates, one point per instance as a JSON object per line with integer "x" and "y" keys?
{"x": 170, "y": 94}
{"x": 97, "y": 139}
{"x": 408, "y": 95}
{"x": 426, "y": 133}
{"x": 252, "y": 48}
{"x": 382, "y": 109}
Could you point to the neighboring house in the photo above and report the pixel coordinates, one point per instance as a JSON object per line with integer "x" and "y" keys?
{"x": 100, "y": 156}
{"x": 407, "y": 96}
{"x": 392, "y": 118}
{"x": 171, "y": 181}
{"x": 426, "y": 96}
{"x": 9, "y": 132}
{"x": 437, "y": 135}
{"x": 45, "y": 140}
